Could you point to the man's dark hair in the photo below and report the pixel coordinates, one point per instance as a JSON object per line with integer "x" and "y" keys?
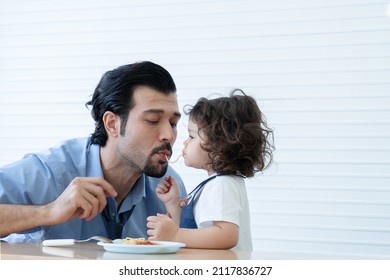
{"x": 115, "y": 91}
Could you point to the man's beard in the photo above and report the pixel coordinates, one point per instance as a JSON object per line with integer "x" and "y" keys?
{"x": 153, "y": 171}
{"x": 161, "y": 168}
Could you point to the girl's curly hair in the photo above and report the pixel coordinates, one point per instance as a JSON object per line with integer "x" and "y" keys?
{"x": 237, "y": 136}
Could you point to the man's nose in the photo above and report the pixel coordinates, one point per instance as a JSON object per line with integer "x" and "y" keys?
{"x": 168, "y": 133}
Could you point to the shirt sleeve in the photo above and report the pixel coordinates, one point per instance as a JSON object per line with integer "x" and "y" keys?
{"x": 26, "y": 181}
{"x": 219, "y": 201}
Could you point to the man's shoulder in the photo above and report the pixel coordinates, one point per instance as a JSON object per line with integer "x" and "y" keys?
{"x": 61, "y": 163}
{"x": 68, "y": 152}
{"x": 75, "y": 144}
{"x": 70, "y": 147}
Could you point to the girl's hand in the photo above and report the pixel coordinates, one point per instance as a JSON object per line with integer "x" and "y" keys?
{"x": 161, "y": 227}
{"x": 168, "y": 190}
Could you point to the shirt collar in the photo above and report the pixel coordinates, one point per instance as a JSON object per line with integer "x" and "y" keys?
{"x": 94, "y": 168}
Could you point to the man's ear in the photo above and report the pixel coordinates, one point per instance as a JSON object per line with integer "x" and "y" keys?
{"x": 111, "y": 123}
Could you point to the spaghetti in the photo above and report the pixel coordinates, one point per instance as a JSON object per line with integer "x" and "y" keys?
{"x": 174, "y": 161}
{"x": 136, "y": 241}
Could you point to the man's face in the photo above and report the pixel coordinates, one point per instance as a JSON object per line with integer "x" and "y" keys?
{"x": 151, "y": 130}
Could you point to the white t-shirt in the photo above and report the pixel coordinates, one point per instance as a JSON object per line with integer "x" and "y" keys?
{"x": 224, "y": 199}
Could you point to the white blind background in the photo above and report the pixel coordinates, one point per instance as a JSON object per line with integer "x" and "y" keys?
{"x": 320, "y": 71}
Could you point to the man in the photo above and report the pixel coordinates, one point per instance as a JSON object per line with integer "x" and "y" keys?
{"x": 104, "y": 184}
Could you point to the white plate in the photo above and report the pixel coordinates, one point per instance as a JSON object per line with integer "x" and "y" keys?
{"x": 160, "y": 247}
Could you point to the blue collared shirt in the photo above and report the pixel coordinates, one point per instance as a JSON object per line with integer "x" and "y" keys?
{"x": 40, "y": 178}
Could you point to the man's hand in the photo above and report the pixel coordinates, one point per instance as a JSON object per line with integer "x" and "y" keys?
{"x": 85, "y": 197}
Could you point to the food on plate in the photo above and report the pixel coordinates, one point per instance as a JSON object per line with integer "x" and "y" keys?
{"x": 136, "y": 241}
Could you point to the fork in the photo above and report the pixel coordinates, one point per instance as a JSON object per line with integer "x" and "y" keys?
{"x": 67, "y": 242}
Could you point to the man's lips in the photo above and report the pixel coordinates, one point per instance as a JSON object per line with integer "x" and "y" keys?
{"x": 164, "y": 156}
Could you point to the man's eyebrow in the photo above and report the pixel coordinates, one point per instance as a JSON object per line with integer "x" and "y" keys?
{"x": 160, "y": 111}
{"x": 154, "y": 111}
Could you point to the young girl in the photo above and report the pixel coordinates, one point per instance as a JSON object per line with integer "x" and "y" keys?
{"x": 229, "y": 138}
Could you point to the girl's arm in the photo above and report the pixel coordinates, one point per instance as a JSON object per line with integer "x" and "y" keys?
{"x": 168, "y": 191}
{"x": 221, "y": 235}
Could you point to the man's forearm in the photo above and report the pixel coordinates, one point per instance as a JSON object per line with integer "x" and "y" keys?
{"x": 15, "y": 218}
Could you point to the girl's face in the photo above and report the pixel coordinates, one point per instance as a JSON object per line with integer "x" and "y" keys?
{"x": 193, "y": 154}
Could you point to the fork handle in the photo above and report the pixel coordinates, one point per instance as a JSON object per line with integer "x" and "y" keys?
{"x": 58, "y": 242}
